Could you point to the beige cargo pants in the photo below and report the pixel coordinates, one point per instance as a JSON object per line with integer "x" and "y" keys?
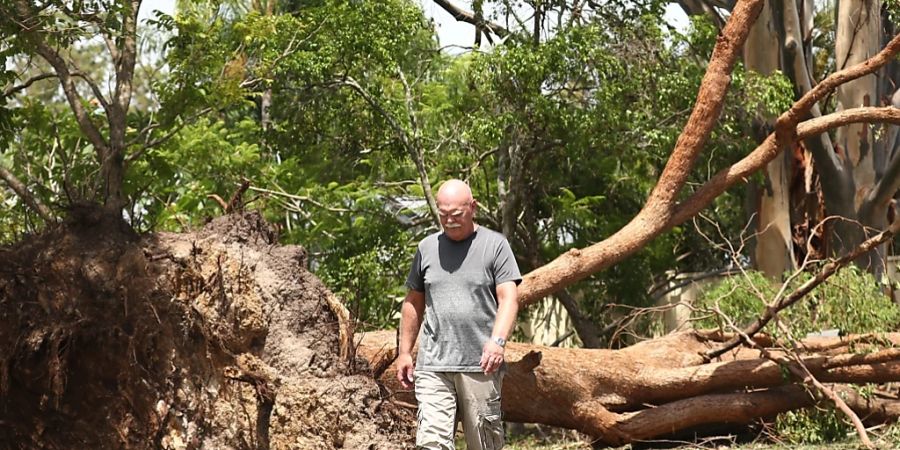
{"x": 446, "y": 397}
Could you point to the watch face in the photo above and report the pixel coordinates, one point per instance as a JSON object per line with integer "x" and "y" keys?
{"x": 500, "y": 341}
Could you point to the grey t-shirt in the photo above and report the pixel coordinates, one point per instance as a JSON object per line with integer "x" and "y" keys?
{"x": 459, "y": 279}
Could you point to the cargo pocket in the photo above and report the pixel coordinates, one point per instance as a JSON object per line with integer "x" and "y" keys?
{"x": 490, "y": 430}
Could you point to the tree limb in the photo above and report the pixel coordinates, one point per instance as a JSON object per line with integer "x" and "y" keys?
{"x": 768, "y": 150}
{"x": 404, "y": 137}
{"x": 61, "y": 68}
{"x": 886, "y": 187}
{"x": 462, "y": 15}
{"x": 25, "y": 194}
{"x": 647, "y": 390}
{"x": 415, "y": 151}
{"x": 151, "y": 144}
{"x": 94, "y": 88}
{"x": 661, "y": 205}
{"x": 702, "y": 8}
{"x": 787, "y": 121}
{"x": 802, "y": 372}
{"x": 659, "y": 216}
{"x": 12, "y": 90}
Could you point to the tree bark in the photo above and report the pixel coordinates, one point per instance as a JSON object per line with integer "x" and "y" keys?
{"x": 857, "y": 38}
{"x": 773, "y": 250}
{"x": 27, "y": 196}
{"x": 659, "y": 387}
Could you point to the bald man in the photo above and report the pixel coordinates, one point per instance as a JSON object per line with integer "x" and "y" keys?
{"x": 462, "y": 285}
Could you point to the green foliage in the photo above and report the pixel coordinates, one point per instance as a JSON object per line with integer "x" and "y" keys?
{"x": 765, "y": 96}
{"x": 174, "y": 180}
{"x": 593, "y": 111}
{"x": 813, "y": 426}
{"x": 851, "y": 301}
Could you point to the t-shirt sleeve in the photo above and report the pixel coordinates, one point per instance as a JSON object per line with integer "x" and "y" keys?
{"x": 416, "y": 278}
{"x": 505, "y": 266}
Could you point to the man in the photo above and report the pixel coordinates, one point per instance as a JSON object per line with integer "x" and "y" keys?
{"x": 462, "y": 284}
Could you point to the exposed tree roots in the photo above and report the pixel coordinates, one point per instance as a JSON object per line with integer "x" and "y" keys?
{"x": 214, "y": 339}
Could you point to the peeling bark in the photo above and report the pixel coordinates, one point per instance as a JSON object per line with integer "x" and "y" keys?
{"x": 772, "y": 250}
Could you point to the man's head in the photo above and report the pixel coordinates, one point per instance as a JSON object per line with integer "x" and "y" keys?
{"x": 456, "y": 208}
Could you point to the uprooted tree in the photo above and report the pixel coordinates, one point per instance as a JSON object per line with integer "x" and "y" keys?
{"x": 221, "y": 338}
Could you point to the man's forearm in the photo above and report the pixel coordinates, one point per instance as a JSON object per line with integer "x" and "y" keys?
{"x": 410, "y": 322}
{"x": 507, "y": 309}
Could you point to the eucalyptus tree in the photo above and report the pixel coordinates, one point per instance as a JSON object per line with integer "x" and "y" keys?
{"x": 857, "y": 165}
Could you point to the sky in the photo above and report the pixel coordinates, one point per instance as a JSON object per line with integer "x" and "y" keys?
{"x": 456, "y": 36}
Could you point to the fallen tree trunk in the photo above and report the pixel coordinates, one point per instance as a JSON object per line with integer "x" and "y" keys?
{"x": 662, "y": 386}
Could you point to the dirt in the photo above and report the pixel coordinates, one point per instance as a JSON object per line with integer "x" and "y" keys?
{"x": 220, "y": 338}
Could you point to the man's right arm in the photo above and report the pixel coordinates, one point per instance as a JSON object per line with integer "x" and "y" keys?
{"x": 411, "y": 314}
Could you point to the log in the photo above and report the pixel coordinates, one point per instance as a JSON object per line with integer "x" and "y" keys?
{"x": 662, "y": 386}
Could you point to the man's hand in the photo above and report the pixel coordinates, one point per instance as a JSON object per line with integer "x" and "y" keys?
{"x": 405, "y": 369}
{"x": 491, "y": 357}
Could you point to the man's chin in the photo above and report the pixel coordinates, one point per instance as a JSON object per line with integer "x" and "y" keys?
{"x": 456, "y": 234}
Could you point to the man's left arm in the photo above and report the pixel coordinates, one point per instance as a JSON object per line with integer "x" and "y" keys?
{"x": 507, "y": 308}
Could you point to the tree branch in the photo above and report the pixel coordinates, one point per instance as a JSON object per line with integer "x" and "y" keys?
{"x": 660, "y": 207}
{"x": 768, "y": 150}
{"x": 127, "y": 56}
{"x": 886, "y": 187}
{"x": 416, "y": 150}
{"x": 94, "y": 88}
{"x": 797, "y": 366}
{"x": 462, "y": 15}
{"x": 61, "y": 68}
{"x": 404, "y": 137}
{"x": 12, "y": 90}
{"x": 25, "y": 194}
{"x": 787, "y": 122}
{"x": 662, "y": 212}
{"x": 151, "y": 144}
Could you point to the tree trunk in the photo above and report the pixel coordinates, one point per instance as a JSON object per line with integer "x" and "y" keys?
{"x": 773, "y": 250}
{"x": 858, "y": 37}
{"x": 659, "y": 387}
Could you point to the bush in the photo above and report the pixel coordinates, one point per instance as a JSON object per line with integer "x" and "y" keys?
{"x": 851, "y": 301}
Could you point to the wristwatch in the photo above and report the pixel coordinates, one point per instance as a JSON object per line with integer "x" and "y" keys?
{"x": 499, "y": 341}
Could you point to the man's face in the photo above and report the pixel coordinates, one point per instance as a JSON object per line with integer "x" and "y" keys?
{"x": 457, "y": 219}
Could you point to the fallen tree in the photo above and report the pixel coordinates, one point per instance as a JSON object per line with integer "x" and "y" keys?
{"x": 221, "y": 338}
{"x": 659, "y": 387}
